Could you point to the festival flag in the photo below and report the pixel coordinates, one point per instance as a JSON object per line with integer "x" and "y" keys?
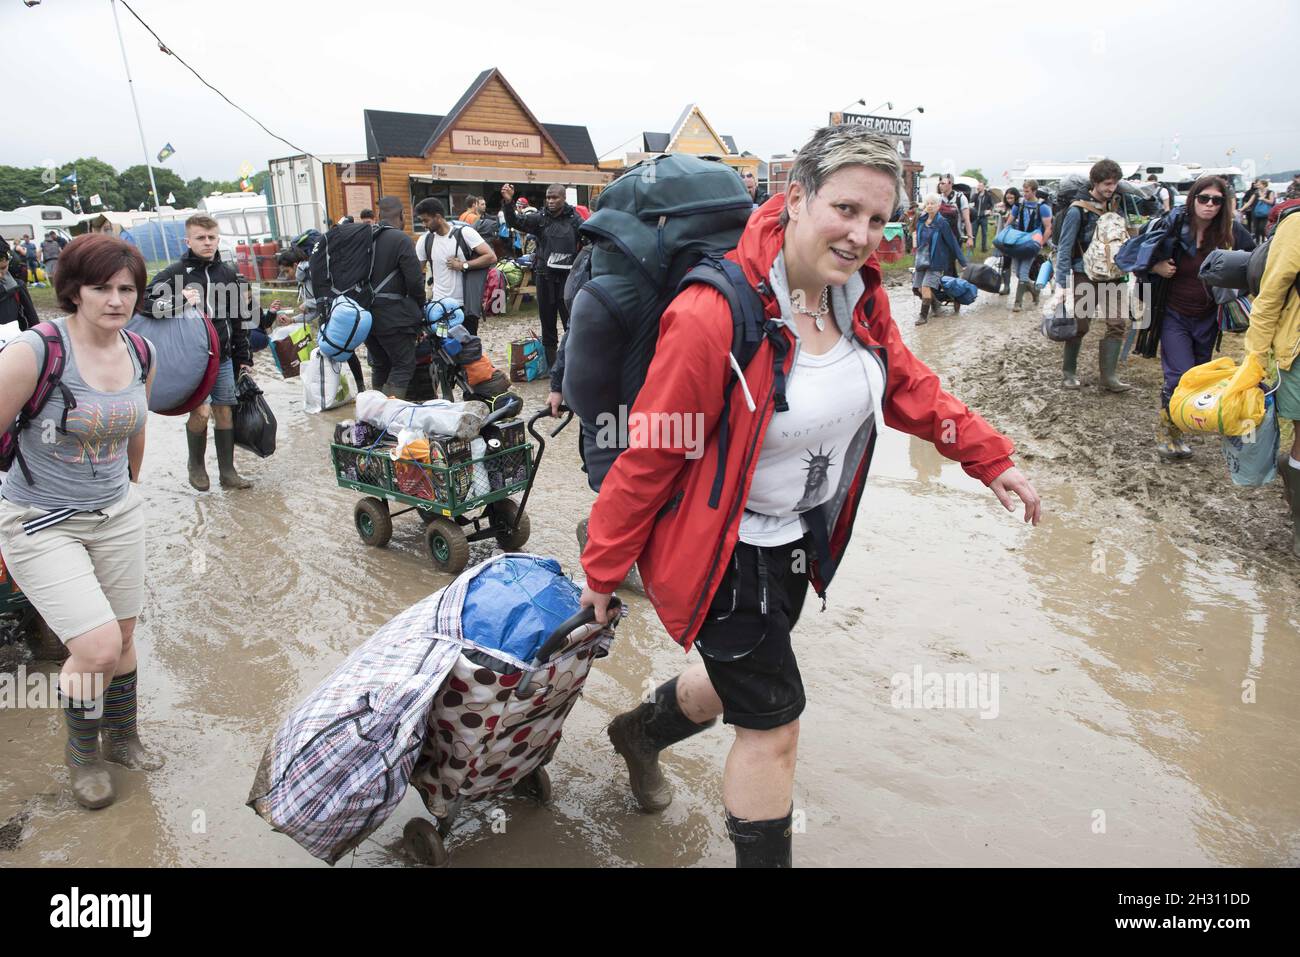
{"x": 94, "y": 200}
{"x": 165, "y": 152}
{"x": 171, "y": 199}
{"x": 71, "y": 177}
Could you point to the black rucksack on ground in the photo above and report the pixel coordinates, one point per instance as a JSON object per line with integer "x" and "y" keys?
{"x": 665, "y": 223}
{"x": 341, "y": 266}
{"x": 1258, "y": 261}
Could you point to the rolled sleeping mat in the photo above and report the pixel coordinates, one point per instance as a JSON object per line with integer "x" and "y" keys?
{"x": 443, "y": 311}
{"x": 187, "y": 355}
{"x": 959, "y": 290}
{"x": 982, "y": 276}
{"x": 344, "y": 329}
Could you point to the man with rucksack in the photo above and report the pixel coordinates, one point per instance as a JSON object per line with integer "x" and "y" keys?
{"x": 1093, "y": 298}
{"x": 15, "y": 300}
{"x": 29, "y": 256}
{"x": 1033, "y": 216}
{"x": 556, "y": 229}
{"x": 376, "y": 268}
{"x": 50, "y": 250}
{"x": 458, "y": 260}
{"x": 955, "y": 207}
{"x": 202, "y": 280}
{"x": 1164, "y": 199}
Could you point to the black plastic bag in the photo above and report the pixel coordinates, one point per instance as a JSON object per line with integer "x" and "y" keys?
{"x": 254, "y": 421}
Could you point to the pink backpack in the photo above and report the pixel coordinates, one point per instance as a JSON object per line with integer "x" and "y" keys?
{"x": 494, "y": 293}
{"x": 49, "y": 378}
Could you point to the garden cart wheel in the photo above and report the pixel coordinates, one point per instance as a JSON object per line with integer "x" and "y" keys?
{"x": 447, "y": 545}
{"x": 503, "y": 517}
{"x": 374, "y": 524}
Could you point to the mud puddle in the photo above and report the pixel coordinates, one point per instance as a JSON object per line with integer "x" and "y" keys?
{"x": 1120, "y": 647}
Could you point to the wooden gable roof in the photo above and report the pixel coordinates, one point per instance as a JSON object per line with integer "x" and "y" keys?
{"x": 486, "y": 80}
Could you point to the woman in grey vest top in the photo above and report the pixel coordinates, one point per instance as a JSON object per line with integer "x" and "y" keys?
{"x": 71, "y": 521}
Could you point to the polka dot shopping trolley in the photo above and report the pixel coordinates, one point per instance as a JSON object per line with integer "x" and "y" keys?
{"x": 463, "y": 695}
{"x": 497, "y": 720}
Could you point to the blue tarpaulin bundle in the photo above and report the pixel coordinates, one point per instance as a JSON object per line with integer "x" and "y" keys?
{"x": 148, "y": 238}
{"x": 515, "y": 603}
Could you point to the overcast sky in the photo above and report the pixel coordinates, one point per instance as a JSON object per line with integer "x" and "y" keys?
{"x": 1001, "y": 82}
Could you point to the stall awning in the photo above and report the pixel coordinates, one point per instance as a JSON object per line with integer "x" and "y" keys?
{"x": 513, "y": 174}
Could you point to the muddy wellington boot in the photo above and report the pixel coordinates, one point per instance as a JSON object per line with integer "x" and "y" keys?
{"x": 1291, "y": 486}
{"x": 225, "y": 440}
{"x": 1170, "y": 442}
{"x": 640, "y": 734}
{"x": 92, "y": 785}
{"x": 198, "y": 443}
{"x": 924, "y": 317}
{"x": 1034, "y": 292}
{"x": 1070, "y": 364}
{"x": 1108, "y": 359}
{"x": 1020, "y": 295}
{"x": 119, "y": 740}
{"x": 762, "y": 843}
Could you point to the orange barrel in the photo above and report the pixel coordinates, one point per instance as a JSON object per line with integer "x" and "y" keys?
{"x": 265, "y": 258}
{"x": 244, "y": 261}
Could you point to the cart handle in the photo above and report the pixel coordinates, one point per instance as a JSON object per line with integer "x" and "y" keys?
{"x": 568, "y": 417}
{"x": 584, "y": 617}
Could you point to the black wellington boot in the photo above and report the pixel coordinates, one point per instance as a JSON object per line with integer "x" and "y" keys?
{"x": 640, "y": 734}
{"x": 762, "y": 843}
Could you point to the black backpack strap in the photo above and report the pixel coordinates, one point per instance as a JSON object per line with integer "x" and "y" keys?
{"x": 748, "y": 328}
{"x": 466, "y": 253}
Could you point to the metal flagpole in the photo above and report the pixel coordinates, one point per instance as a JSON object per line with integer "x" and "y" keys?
{"x": 140, "y": 125}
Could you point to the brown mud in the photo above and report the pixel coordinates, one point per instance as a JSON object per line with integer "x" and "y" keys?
{"x": 1124, "y": 646}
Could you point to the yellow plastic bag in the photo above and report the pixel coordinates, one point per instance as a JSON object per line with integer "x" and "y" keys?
{"x": 1220, "y": 397}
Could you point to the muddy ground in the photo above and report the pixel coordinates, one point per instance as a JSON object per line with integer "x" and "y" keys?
{"x": 1144, "y": 638}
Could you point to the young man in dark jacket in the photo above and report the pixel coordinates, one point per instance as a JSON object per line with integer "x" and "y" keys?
{"x": 398, "y": 307}
{"x": 15, "y": 301}
{"x": 201, "y": 279}
{"x": 1092, "y": 299}
{"x": 556, "y": 229}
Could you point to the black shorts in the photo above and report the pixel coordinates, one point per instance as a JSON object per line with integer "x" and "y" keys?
{"x": 745, "y": 638}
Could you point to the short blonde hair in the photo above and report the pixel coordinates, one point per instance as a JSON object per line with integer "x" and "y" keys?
{"x": 834, "y": 147}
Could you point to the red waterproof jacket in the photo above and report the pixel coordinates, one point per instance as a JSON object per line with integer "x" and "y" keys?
{"x": 654, "y": 505}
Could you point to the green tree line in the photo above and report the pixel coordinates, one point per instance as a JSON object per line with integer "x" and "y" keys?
{"x": 123, "y": 190}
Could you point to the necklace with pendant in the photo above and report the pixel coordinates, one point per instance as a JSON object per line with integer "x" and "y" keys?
{"x": 823, "y": 307}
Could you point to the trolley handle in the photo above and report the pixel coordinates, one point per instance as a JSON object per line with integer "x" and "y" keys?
{"x": 584, "y": 617}
{"x": 568, "y": 417}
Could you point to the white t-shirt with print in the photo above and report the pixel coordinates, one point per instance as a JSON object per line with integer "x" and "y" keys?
{"x": 802, "y": 459}
{"x": 446, "y": 282}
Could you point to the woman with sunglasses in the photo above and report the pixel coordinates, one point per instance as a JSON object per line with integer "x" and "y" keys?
{"x": 1190, "y": 326}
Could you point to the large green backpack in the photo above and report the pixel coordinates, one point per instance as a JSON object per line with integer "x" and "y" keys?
{"x": 662, "y": 224}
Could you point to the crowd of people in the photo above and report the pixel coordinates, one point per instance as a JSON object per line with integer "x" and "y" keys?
{"x": 35, "y": 263}
{"x": 1183, "y": 311}
{"x": 726, "y": 581}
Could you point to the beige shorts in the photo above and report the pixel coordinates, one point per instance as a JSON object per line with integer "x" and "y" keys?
{"x": 83, "y": 572}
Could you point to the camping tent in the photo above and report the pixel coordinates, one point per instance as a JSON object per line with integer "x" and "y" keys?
{"x": 148, "y": 238}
